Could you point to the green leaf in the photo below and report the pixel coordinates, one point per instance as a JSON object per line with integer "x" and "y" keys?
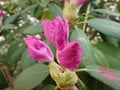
{"x": 111, "y": 40}
{"x": 55, "y": 10}
{"x": 34, "y": 29}
{"x": 82, "y": 38}
{"x": 26, "y": 60}
{"x": 10, "y": 19}
{"x": 15, "y": 51}
{"x": 7, "y": 41}
{"x": 108, "y": 12}
{"x": 100, "y": 58}
{"x": 110, "y": 77}
{"x": 48, "y": 87}
{"x": 112, "y": 54}
{"x": 31, "y": 77}
{"x": 30, "y": 8}
{"x": 47, "y": 15}
{"x": 106, "y": 27}
{"x": 23, "y": 17}
{"x": 21, "y": 29}
{"x": 8, "y": 26}
{"x": 37, "y": 12}
{"x": 44, "y": 4}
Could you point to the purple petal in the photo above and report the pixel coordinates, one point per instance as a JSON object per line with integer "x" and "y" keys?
{"x": 70, "y": 57}
{"x": 38, "y": 50}
{"x": 48, "y": 29}
{"x": 57, "y": 32}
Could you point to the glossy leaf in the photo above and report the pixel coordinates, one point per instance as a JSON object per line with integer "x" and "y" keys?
{"x": 30, "y": 8}
{"x": 108, "y": 12}
{"x": 11, "y": 19}
{"x": 8, "y": 26}
{"x": 15, "y": 51}
{"x": 106, "y": 27}
{"x": 34, "y": 29}
{"x": 110, "y": 77}
{"x": 112, "y": 54}
{"x": 37, "y": 12}
{"x": 26, "y": 60}
{"x": 55, "y": 10}
{"x": 111, "y": 40}
{"x": 82, "y": 38}
{"x": 44, "y": 4}
{"x": 31, "y": 77}
{"x": 100, "y": 58}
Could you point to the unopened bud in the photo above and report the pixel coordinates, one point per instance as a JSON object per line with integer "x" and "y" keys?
{"x": 70, "y": 11}
{"x": 64, "y": 78}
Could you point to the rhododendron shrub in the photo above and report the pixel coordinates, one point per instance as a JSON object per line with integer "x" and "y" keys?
{"x": 59, "y": 44}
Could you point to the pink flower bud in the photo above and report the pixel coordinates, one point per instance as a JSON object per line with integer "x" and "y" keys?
{"x": 38, "y": 50}
{"x": 56, "y": 31}
{"x": 70, "y": 57}
{"x": 77, "y": 2}
{"x": 1, "y": 14}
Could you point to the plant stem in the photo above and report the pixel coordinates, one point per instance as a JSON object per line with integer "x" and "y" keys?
{"x": 76, "y": 27}
{"x": 81, "y": 22}
{"x": 86, "y": 17}
{"x": 80, "y": 81}
{"x": 81, "y": 70}
{"x": 56, "y": 88}
{"x": 82, "y": 84}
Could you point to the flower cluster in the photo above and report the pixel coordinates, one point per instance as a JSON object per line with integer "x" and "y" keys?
{"x": 57, "y": 31}
{"x": 69, "y": 54}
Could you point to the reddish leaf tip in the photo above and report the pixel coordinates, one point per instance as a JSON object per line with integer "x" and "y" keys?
{"x": 108, "y": 74}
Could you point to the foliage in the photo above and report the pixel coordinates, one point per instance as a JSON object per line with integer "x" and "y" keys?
{"x": 97, "y": 29}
